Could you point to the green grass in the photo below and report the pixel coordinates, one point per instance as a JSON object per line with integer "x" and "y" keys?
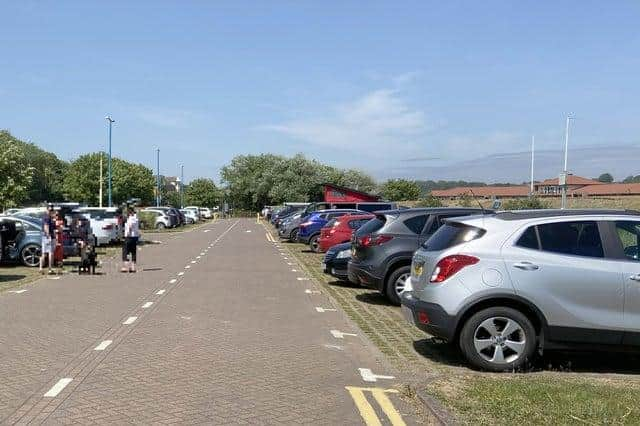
{"x": 13, "y": 275}
{"x": 538, "y": 399}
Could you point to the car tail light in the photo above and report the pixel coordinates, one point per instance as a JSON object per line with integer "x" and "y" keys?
{"x": 108, "y": 227}
{"x": 450, "y": 265}
{"x": 423, "y": 318}
{"x": 374, "y": 240}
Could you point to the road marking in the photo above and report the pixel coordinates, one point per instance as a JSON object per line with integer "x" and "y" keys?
{"x": 180, "y": 274}
{"x": 289, "y": 263}
{"x": 311, "y": 291}
{"x": 103, "y": 345}
{"x": 17, "y": 291}
{"x": 368, "y": 413}
{"x": 173, "y": 281}
{"x": 303, "y": 279}
{"x": 160, "y": 292}
{"x": 368, "y": 376}
{"x": 202, "y": 253}
{"x": 130, "y": 320}
{"x": 187, "y": 267}
{"x": 193, "y": 261}
{"x": 320, "y": 309}
{"x": 340, "y": 335}
{"x": 285, "y": 258}
{"x": 57, "y": 388}
{"x": 340, "y": 348}
{"x": 198, "y": 257}
{"x": 294, "y": 270}
{"x": 53, "y": 278}
{"x": 206, "y": 230}
{"x": 146, "y": 305}
{"x": 248, "y": 230}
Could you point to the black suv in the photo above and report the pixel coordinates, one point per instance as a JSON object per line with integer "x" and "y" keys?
{"x": 381, "y": 250}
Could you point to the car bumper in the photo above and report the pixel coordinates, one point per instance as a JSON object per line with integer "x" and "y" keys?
{"x": 336, "y": 269}
{"x": 366, "y": 278}
{"x": 304, "y": 239}
{"x": 428, "y": 317}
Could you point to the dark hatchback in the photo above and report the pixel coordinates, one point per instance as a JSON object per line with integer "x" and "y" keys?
{"x": 336, "y": 260}
{"x": 381, "y": 250}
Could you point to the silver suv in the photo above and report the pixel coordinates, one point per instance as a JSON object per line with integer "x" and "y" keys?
{"x": 503, "y": 286}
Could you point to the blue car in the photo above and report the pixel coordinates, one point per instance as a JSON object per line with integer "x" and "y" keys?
{"x": 309, "y": 231}
{"x": 21, "y": 239}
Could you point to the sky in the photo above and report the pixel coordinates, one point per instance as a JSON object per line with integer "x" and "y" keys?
{"x": 416, "y": 89}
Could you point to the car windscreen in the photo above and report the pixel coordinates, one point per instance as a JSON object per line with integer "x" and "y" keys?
{"x": 373, "y": 225}
{"x": 452, "y": 234}
{"x": 330, "y": 224}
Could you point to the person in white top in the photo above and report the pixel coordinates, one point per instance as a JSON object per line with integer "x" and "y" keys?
{"x": 131, "y": 235}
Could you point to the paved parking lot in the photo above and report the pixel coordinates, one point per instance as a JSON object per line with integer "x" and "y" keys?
{"x": 219, "y": 326}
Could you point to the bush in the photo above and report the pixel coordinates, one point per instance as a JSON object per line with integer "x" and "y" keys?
{"x": 528, "y": 203}
{"x": 146, "y": 220}
{"x": 429, "y": 201}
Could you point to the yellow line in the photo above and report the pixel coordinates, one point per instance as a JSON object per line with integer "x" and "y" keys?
{"x": 367, "y": 412}
{"x": 387, "y": 406}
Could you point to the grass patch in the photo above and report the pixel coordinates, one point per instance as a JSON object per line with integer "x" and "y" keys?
{"x": 538, "y": 399}
{"x": 12, "y": 276}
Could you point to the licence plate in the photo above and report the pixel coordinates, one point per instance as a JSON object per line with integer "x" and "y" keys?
{"x": 408, "y": 315}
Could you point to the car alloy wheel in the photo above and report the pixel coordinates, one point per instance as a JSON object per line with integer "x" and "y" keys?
{"x": 401, "y": 283}
{"x": 314, "y": 244}
{"x": 160, "y": 226}
{"x": 396, "y": 283}
{"x": 30, "y": 255}
{"x": 499, "y": 340}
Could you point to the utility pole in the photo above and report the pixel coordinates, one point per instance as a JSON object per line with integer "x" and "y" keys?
{"x": 564, "y": 175}
{"x": 158, "y": 177}
{"x": 533, "y": 150}
{"x": 100, "y": 191}
{"x": 182, "y": 186}
{"x": 111, "y": 121}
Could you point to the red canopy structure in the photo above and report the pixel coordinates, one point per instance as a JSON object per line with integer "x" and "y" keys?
{"x": 340, "y": 194}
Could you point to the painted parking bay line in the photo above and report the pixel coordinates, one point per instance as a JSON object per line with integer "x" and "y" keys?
{"x": 340, "y": 334}
{"x": 17, "y": 291}
{"x": 58, "y": 387}
{"x": 368, "y": 413}
{"x": 369, "y": 376}
{"x": 103, "y": 345}
{"x": 160, "y": 292}
{"x": 130, "y": 320}
{"x": 147, "y": 305}
{"x": 173, "y": 281}
{"x": 321, "y": 309}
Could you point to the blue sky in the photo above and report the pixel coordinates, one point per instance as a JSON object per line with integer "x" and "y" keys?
{"x": 396, "y": 88}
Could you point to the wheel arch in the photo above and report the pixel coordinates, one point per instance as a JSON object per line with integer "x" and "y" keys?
{"x": 395, "y": 263}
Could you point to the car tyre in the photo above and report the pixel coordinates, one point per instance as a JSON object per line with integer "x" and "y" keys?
{"x": 396, "y": 283}
{"x": 314, "y": 243}
{"x": 30, "y": 255}
{"x": 294, "y": 235}
{"x": 160, "y": 226}
{"x": 486, "y": 346}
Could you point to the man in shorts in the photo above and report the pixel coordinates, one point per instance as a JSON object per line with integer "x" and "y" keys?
{"x": 48, "y": 240}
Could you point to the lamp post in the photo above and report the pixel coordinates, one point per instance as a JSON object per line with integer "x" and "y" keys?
{"x": 182, "y": 186}
{"x": 110, "y": 121}
{"x": 158, "y": 177}
{"x": 533, "y": 150}
{"x": 564, "y": 175}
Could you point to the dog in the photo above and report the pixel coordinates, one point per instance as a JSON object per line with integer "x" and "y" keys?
{"x": 88, "y": 262}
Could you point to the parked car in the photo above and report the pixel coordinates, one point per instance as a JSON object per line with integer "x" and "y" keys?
{"x": 381, "y": 250}
{"x": 369, "y": 206}
{"x": 191, "y": 216}
{"x": 162, "y": 219}
{"x": 206, "y": 213}
{"x": 336, "y": 260}
{"x": 106, "y": 223}
{"x": 502, "y": 287}
{"x": 288, "y": 229}
{"x": 174, "y": 215}
{"x": 309, "y": 231}
{"x": 340, "y": 229}
{"x": 21, "y": 239}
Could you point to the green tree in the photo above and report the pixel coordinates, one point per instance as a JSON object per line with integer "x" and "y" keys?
{"x": 525, "y": 204}
{"x": 82, "y": 180}
{"x": 429, "y": 201}
{"x": 605, "y": 177}
{"x": 400, "y": 189}
{"x": 202, "y": 193}
{"x": 15, "y": 174}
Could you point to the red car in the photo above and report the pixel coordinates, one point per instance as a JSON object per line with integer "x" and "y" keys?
{"x": 339, "y": 230}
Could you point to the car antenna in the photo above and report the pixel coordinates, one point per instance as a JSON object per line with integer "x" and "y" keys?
{"x": 477, "y": 201}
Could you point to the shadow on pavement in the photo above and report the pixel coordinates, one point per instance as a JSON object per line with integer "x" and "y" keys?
{"x": 345, "y": 284}
{"x": 374, "y": 298}
{"x": 591, "y": 362}
{"x": 439, "y": 351}
{"x": 5, "y": 278}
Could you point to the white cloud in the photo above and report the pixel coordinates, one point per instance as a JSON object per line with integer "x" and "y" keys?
{"x": 377, "y": 120}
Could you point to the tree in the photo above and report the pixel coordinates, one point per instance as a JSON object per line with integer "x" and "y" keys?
{"x": 400, "y": 189}
{"x": 82, "y": 180}
{"x": 605, "y": 177}
{"x": 202, "y": 193}
{"x": 15, "y": 174}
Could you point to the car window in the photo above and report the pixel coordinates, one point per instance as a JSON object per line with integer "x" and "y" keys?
{"x": 529, "y": 239}
{"x": 416, "y": 223}
{"x": 452, "y": 234}
{"x": 629, "y": 234}
{"x": 330, "y": 224}
{"x": 580, "y": 238}
{"x": 355, "y": 224}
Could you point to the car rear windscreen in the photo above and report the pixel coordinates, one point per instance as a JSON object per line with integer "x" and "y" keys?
{"x": 452, "y": 234}
{"x": 373, "y": 225}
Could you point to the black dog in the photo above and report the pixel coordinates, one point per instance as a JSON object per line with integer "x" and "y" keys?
{"x": 89, "y": 262}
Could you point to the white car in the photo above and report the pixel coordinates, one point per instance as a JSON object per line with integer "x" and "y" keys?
{"x": 105, "y": 223}
{"x": 206, "y": 212}
{"x": 162, "y": 220}
{"x": 190, "y": 215}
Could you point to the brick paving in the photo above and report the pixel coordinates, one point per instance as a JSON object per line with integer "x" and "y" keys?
{"x": 235, "y": 340}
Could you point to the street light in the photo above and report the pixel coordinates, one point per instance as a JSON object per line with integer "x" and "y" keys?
{"x": 158, "y": 177}
{"x": 182, "y": 186}
{"x": 111, "y": 121}
{"x": 562, "y": 180}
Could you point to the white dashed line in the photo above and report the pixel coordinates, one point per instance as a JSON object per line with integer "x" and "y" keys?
{"x": 57, "y": 388}
{"x": 130, "y": 320}
{"x": 180, "y": 274}
{"x": 17, "y": 291}
{"x": 321, "y": 310}
{"x": 289, "y": 263}
{"x": 340, "y": 335}
{"x": 187, "y": 267}
{"x": 206, "y": 230}
{"x": 303, "y": 279}
{"x": 202, "y": 253}
{"x": 294, "y": 270}
{"x": 311, "y": 291}
{"x": 193, "y": 261}
{"x": 103, "y": 345}
{"x": 198, "y": 257}
{"x": 368, "y": 376}
{"x": 146, "y": 305}
{"x": 160, "y": 292}
{"x": 173, "y": 281}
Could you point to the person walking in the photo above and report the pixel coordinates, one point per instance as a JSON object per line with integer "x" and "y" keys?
{"x": 48, "y": 239}
{"x": 131, "y": 235}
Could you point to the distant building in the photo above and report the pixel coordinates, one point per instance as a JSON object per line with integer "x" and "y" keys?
{"x": 171, "y": 184}
{"x": 577, "y": 186}
{"x": 340, "y": 194}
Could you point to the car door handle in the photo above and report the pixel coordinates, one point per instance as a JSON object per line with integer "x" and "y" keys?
{"x": 635, "y": 277}
{"x": 526, "y": 266}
